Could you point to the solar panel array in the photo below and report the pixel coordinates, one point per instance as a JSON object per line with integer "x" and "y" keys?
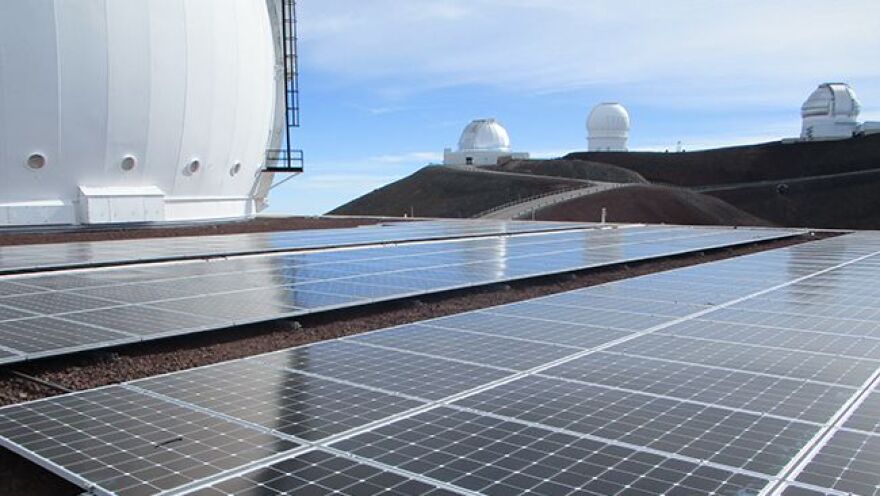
{"x": 63, "y": 312}
{"x": 628, "y": 388}
{"x": 30, "y": 258}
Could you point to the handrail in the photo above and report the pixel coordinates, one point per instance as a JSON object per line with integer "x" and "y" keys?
{"x": 525, "y": 200}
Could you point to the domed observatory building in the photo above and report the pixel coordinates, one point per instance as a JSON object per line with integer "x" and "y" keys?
{"x": 608, "y": 128}
{"x": 830, "y": 113}
{"x": 483, "y": 142}
{"x": 116, "y": 111}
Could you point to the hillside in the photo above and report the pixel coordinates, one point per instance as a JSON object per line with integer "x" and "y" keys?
{"x": 437, "y": 191}
{"x": 652, "y": 204}
{"x": 845, "y": 201}
{"x": 573, "y": 169}
{"x": 769, "y": 161}
{"x": 830, "y": 184}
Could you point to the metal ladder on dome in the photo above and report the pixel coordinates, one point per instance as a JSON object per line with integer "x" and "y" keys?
{"x": 287, "y": 159}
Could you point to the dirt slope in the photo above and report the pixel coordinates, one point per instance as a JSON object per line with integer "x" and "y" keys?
{"x": 445, "y": 192}
{"x": 651, "y": 204}
{"x": 835, "y": 203}
{"x": 574, "y": 169}
{"x": 769, "y": 161}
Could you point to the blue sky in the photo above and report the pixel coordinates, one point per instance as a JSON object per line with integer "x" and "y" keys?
{"x": 387, "y": 84}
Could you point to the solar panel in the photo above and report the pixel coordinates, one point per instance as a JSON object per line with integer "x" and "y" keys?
{"x": 95, "y": 253}
{"x": 557, "y": 333}
{"x": 850, "y": 463}
{"x": 128, "y": 443}
{"x": 410, "y": 374}
{"x": 471, "y": 411}
{"x": 470, "y": 347}
{"x": 765, "y": 393}
{"x": 164, "y": 300}
{"x": 36, "y": 335}
{"x": 746, "y": 440}
{"x": 749, "y": 358}
{"x": 866, "y": 418}
{"x": 279, "y": 399}
{"x": 494, "y": 456}
{"x": 321, "y": 473}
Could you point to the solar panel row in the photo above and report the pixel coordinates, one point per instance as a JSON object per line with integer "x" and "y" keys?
{"x": 65, "y": 312}
{"x": 458, "y": 405}
{"x": 90, "y": 253}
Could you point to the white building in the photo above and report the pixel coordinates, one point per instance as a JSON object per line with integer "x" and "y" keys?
{"x": 132, "y": 111}
{"x": 483, "y": 142}
{"x": 831, "y": 112}
{"x": 608, "y": 128}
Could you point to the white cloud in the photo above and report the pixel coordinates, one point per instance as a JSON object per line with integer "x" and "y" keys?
{"x": 412, "y": 158}
{"x": 748, "y": 51}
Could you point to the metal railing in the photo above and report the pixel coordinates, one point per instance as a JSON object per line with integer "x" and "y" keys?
{"x": 288, "y": 159}
{"x": 523, "y": 200}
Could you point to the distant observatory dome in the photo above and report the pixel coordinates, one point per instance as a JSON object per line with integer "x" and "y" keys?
{"x": 831, "y": 112}
{"x": 483, "y": 142}
{"x": 608, "y": 128}
{"x": 484, "y": 134}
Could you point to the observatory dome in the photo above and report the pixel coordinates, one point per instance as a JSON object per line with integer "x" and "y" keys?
{"x": 122, "y": 110}
{"x": 608, "y": 128}
{"x": 831, "y": 112}
{"x": 483, "y": 142}
{"x": 484, "y": 135}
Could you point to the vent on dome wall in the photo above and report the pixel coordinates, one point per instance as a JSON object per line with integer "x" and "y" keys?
{"x": 287, "y": 159}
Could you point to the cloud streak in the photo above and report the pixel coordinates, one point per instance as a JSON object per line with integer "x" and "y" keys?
{"x": 671, "y": 49}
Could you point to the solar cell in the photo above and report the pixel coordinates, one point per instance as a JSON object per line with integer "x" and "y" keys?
{"x": 867, "y": 416}
{"x": 585, "y": 299}
{"x": 789, "y": 339}
{"x": 761, "y": 393}
{"x": 8, "y": 356}
{"x": 793, "y": 490}
{"x": 35, "y": 335}
{"x": 321, "y": 473}
{"x": 231, "y": 308}
{"x": 397, "y": 371}
{"x": 55, "y": 303}
{"x": 141, "y": 321}
{"x": 282, "y": 400}
{"x": 127, "y": 443}
{"x": 470, "y": 347}
{"x": 850, "y": 463}
{"x": 10, "y": 288}
{"x": 559, "y": 333}
{"x": 610, "y": 319}
{"x": 799, "y": 322}
{"x": 748, "y": 358}
{"x": 501, "y": 457}
{"x": 734, "y": 438}
{"x": 8, "y": 314}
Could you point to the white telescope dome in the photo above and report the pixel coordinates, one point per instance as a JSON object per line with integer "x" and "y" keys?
{"x": 484, "y": 135}
{"x": 145, "y": 103}
{"x": 831, "y": 112}
{"x": 608, "y": 127}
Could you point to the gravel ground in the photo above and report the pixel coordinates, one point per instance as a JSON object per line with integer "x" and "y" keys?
{"x": 91, "y": 370}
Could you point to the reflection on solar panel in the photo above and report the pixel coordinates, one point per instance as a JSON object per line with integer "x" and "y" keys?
{"x": 93, "y": 253}
{"x": 64, "y": 312}
{"x": 320, "y": 472}
{"x": 618, "y": 411}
